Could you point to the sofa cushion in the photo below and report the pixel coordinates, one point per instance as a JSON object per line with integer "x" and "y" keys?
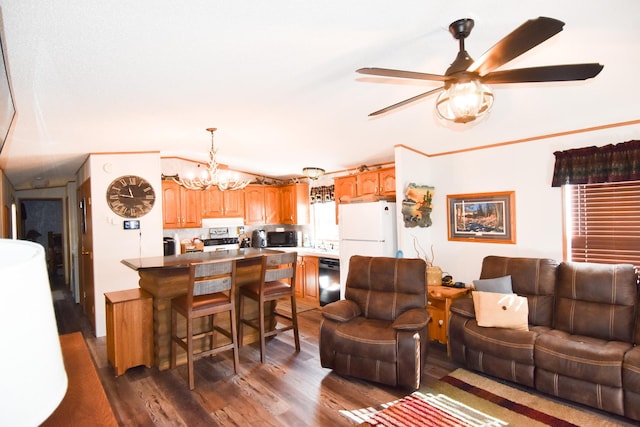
{"x": 509, "y": 344}
{"x": 597, "y": 300}
{"x": 368, "y": 338}
{"x": 501, "y": 285}
{"x": 631, "y": 371}
{"x": 534, "y": 278}
{"x": 578, "y": 356}
{"x": 501, "y": 310}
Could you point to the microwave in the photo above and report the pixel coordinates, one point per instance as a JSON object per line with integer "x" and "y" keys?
{"x": 282, "y": 239}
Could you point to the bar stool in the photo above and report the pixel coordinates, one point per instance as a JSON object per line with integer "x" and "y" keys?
{"x": 206, "y": 297}
{"x": 277, "y": 281}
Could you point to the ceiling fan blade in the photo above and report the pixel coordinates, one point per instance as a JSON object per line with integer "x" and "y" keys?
{"x": 406, "y": 101}
{"x": 551, "y": 73}
{"x": 525, "y": 37}
{"x": 386, "y": 72}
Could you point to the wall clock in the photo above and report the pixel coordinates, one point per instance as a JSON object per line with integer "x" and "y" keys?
{"x": 130, "y": 196}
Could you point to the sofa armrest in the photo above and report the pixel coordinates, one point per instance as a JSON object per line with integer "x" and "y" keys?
{"x": 464, "y": 307}
{"x": 341, "y": 311}
{"x": 412, "y": 320}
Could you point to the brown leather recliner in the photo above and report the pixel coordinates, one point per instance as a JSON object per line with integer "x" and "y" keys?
{"x": 379, "y": 331}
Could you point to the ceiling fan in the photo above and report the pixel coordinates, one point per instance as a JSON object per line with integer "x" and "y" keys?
{"x": 465, "y": 95}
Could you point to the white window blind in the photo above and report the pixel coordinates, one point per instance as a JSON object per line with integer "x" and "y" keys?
{"x": 604, "y": 222}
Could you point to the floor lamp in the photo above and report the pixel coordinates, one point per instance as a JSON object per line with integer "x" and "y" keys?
{"x": 33, "y": 380}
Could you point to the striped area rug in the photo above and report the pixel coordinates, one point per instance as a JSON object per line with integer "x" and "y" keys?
{"x": 465, "y": 398}
{"x": 420, "y": 409}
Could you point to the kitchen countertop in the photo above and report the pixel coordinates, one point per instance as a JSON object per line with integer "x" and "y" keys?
{"x": 183, "y": 260}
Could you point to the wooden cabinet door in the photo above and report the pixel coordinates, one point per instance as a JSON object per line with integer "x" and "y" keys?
{"x": 170, "y": 205}
{"x": 294, "y": 204}
{"x": 272, "y": 205}
{"x": 213, "y": 203}
{"x": 367, "y": 183}
{"x": 288, "y": 204}
{"x": 344, "y": 186}
{"x": 191, "y": 208}
{"x": 387, "y": 181}
{"x": 233, "y": 201}
{"x": 300, "y": 277}
{"x": 311, "y": 285}
{"x": 254, "y": 205}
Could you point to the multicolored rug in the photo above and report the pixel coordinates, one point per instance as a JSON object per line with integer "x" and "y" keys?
{"x": 463, "y": 398}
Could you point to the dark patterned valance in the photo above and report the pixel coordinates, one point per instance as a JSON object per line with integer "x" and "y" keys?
{"x": 322, "y": 194}
{"x": 589, "y": 165}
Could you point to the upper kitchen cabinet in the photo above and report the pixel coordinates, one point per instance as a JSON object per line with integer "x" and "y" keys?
{"x": 222, "y": 204}
{"x": 295, "y": 204}
{"x": 254, "y": 208}
{"x": 272, "y": 199}
{"x": 344, "y": 186}
{"x": 181, "y": 208}
{"x": 380, "y": 182}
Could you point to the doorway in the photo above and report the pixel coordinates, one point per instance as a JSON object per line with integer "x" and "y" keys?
{"x": 41, "y": 222}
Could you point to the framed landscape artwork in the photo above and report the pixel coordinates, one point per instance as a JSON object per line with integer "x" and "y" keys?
{"x": 482, "y": 217}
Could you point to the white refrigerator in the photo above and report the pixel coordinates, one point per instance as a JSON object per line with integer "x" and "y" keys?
{"x": 365, "y": 229}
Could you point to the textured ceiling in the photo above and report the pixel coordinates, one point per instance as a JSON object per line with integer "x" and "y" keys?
{"x": 278, "y": 79}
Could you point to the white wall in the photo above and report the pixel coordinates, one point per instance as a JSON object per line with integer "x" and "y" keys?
{"x": 526, "y": 168}
{"x": 111, "y": 243}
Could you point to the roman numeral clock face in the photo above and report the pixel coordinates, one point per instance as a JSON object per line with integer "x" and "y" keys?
{"x": 130, "y": 196}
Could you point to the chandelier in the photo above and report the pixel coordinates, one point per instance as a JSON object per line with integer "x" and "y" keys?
{"x": 212, "y": 176}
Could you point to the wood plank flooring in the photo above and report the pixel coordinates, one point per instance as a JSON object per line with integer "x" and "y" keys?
{"x": 290, "y": 389}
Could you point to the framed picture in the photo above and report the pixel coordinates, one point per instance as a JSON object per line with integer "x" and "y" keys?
{"x": 417, "y": 206}
{"x": 482, "y": 217}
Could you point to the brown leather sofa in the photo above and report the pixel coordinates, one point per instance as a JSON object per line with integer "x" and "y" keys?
{"x": 379, "y": 331}
{"x": 583, "y": 332}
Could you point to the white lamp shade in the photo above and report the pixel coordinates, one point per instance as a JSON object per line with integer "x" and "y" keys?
{"x": 33, "y": 380}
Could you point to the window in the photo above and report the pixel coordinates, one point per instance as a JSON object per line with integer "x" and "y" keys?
{"x": 323, "y": 216}
{"x": 603, "y": 222}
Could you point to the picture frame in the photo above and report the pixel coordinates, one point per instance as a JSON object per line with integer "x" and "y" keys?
{"x": 482, "y": 217}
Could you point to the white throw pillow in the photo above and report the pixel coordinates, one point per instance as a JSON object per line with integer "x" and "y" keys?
{"x": 501, "y": 310}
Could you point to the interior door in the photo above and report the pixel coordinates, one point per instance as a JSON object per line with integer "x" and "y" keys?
{"x": 85, "y": 243}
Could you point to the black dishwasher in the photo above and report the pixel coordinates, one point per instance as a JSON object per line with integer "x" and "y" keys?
{"x": 329, "y": 280}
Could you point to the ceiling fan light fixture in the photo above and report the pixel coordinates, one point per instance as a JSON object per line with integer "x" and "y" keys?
{"x": 465, "y": 101}
{"x": 213, "y": 176}
{"x": 313, "y": 173}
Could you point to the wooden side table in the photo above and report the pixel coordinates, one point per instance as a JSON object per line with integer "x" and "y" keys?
{"x": 129, "y": 316}
{"x": 438, "y": 304}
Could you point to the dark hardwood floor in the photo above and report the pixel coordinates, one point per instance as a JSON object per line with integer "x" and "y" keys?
{"x": 290, "y": 389}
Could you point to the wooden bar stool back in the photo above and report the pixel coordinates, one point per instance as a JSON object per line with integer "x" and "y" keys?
{"x": 211, "y": 291}
{"x": 277, "y": 281}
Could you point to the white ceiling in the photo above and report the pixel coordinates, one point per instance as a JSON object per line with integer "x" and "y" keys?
{"x": 277, "y": 78}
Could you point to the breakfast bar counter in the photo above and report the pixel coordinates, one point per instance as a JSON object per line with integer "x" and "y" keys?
{"x": 166, "y": 277}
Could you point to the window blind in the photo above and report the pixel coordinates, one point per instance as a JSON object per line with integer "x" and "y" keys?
{"x": 605, "y": 222}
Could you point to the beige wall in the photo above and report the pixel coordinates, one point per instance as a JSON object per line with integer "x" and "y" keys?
{"x": 526, "y": 168}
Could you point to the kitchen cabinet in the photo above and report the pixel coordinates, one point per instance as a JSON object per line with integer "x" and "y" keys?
{"x": 181, "y": 208}
{"x": 222, "y": 204}
{"x": 307, "y": 282}
{"x": 254, "y": 207}
{"x": 272, "y": 205}
{"x": 344, "y": 186}
{"x": 379, "y": 182}
{"x": 294, "y": 204}
{"x": 129, "y": 315}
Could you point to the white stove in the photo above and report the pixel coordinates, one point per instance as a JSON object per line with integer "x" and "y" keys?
{"x": 223, "y": 233}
